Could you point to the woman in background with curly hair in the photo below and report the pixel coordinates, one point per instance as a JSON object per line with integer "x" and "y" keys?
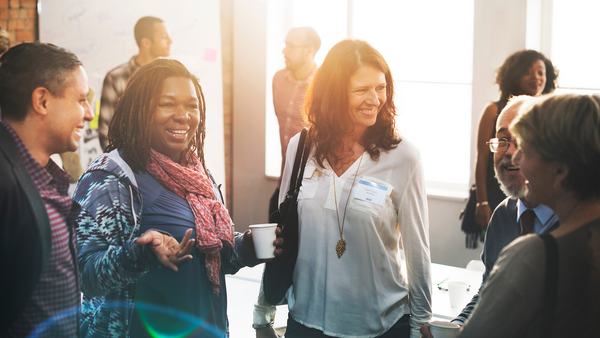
{"x": 526, "y": 72}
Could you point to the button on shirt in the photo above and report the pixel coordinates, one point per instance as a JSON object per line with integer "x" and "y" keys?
{"x": 54, "y": 305}
{"x": 544, "y": 217}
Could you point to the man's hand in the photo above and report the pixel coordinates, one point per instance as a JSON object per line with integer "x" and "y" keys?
{"x": 249, "y": 243}
{"x": 266, "y": 332}
{"x": 170, "y": 254}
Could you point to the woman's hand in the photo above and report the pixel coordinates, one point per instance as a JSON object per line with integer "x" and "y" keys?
{"x": 266, "y": 332}
{"x": 249, "y": 243}
{"x": 170, "y": 254}
{"x": 483, "y": 213}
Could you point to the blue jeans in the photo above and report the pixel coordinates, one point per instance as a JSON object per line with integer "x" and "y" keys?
{"x": 296, "y": 330}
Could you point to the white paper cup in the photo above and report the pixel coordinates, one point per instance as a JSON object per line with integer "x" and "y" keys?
{"x": 263, "y": 236}
{"x": 443, "y": 329}
{"x": 458, "y": 293}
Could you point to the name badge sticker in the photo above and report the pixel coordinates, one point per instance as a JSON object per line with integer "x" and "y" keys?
{"x": 371, "y": 192}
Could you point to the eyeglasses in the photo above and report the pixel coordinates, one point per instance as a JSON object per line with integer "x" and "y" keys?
{"x": 500, "y": 145}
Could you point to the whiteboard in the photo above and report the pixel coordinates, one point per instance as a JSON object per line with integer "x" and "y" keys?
{"x": 100, "y": 33}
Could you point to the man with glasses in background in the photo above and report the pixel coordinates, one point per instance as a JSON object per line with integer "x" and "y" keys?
{"x": 515, "y": 216}
{"x": 289, "y": 87}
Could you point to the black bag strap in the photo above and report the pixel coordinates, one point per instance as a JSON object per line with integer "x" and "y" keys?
{"x": 551, "y": 285}
{"x": 299, "y": 163}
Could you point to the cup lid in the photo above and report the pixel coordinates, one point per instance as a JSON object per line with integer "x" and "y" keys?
{"x": 265, "y": 225}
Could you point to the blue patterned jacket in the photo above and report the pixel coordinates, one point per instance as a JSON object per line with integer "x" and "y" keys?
{"x": 109, "y": 262}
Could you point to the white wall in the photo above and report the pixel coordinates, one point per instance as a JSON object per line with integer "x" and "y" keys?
{"x": 499, "y": 31}
{"x": 103, "y": 38}
{"x": 251, "y": 188}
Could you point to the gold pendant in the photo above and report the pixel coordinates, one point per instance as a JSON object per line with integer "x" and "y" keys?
{"x": 340, "y": 248}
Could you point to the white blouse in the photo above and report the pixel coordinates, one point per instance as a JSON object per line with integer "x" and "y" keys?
{"x": 363, "y": 293}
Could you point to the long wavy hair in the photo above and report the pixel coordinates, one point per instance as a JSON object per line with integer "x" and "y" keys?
{"x": 326, "y": 107}
{"x": 129, "y": 128}
{"x": 509, "y": 75}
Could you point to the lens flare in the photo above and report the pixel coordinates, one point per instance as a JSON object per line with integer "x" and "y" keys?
{"x": 152, "y": 317}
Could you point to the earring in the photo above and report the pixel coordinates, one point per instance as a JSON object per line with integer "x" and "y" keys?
{"x": 556, "y": 186}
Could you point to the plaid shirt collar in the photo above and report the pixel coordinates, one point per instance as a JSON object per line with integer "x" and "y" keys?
{"x": 41, "y": 176}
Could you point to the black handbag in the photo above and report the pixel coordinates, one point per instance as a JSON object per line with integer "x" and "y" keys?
{"x": 278, "y": 274}
{"x": 474, "y": 233}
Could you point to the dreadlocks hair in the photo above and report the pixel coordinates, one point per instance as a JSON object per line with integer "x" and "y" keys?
{"x": 326, "y": 102}
{"x": 129, "y": 129}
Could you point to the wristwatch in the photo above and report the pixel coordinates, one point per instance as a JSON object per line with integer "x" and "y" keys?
{"x": 481, "y": 203}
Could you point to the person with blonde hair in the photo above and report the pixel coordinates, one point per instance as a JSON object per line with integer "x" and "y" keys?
{"x": 548, "y": 285}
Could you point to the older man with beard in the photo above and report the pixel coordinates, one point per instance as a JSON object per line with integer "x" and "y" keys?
{"x": 515, "y": 216}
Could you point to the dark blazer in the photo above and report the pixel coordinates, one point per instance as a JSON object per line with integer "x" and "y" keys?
{"x": 25, "y": 233}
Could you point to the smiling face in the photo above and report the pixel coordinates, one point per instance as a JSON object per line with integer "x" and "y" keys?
{"x": 367, "y": 95}
{"x": 68, "y": 112}
{"x": 538, "y": 174}
{"x": 509, "y": 174}
{"x": 534, "y": 81}
{"x": 176, "y": 117}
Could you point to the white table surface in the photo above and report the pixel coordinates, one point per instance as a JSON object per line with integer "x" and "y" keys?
{"x": 242, "y": 290}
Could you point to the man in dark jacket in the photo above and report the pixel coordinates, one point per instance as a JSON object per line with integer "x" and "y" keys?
{"x": 43, "y": 92}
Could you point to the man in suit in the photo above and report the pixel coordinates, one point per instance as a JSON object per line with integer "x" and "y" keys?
{"x": 43, "y": 92}
{"x": 515, "y": 216}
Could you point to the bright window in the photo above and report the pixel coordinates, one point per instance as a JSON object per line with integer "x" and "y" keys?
{"x": 432, "y": 69}
{"x": 575, "y": 49}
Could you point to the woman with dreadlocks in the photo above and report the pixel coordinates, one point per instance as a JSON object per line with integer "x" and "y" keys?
{"x": 141, "y": 202}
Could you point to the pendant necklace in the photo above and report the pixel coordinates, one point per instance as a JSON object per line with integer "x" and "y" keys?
{"x": 340, "y": 248}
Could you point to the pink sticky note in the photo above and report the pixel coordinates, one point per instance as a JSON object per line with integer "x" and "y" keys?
{"x": 210, "y": 54}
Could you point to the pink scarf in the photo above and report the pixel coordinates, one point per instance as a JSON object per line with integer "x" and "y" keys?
{"x": 213, "y": 224}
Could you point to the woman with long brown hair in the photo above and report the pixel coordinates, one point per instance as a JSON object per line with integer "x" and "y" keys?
{"x": 362, "y": 195}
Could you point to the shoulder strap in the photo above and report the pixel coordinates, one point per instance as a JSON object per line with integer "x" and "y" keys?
{"x": 297, "y": 161}
{"x": 305, "y": 154}
{"x": 551, "y": 285}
